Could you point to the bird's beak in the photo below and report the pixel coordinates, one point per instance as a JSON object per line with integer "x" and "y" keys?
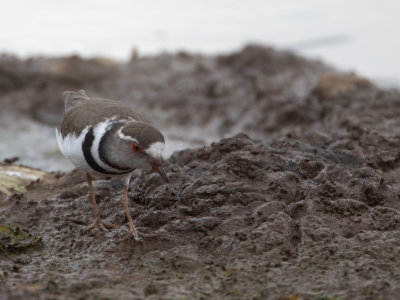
{"x": 157, "y": 167}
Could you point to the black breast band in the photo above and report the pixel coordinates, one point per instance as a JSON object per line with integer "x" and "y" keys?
{"x": 86, "y": 146}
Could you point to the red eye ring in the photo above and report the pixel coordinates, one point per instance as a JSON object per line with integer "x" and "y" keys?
{"x": 136, "y": 148}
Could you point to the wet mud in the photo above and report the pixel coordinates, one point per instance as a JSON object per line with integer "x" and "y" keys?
{"x": 299, "y": 201}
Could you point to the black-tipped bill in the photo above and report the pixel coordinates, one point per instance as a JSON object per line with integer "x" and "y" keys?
{"x": 159, "y": 169}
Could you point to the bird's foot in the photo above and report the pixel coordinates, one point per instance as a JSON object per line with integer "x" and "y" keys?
{"x": 138, "y": 236}
{"x": 100, "y": 223}
{"x": 130, "y": 234}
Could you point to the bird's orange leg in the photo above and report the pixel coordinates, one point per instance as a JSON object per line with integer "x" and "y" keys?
{"x": 99, "y": 222}
{"x": 132, "y": 230}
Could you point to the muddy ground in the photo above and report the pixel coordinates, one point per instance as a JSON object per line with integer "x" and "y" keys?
{"x": 300, "y": 200}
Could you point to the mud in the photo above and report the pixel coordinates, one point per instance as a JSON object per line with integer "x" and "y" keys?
{"x": 303, "y": 205}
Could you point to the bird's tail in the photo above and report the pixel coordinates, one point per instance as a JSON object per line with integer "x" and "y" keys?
{"x": 72, "y": 98}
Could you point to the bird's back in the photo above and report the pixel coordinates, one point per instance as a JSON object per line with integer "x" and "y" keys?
{"x": 81, "y": 111}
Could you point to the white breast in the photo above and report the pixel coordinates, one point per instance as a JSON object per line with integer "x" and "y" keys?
{"x": 71, "y": 147}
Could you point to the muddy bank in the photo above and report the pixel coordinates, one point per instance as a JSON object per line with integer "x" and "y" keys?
{"x": 240, "y": 219}
{"x": 303, "y": 205}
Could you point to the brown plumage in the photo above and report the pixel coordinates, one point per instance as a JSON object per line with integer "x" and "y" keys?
{"x": 80, "y": 110}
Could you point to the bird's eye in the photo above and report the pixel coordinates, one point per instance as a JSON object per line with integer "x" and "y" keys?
{"x": 136, "y": 148}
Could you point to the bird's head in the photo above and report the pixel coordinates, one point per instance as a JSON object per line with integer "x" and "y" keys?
{"x": 140, "y": 146}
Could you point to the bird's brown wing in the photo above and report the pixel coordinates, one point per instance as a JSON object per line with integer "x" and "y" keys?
{"x": 92, "y": 111}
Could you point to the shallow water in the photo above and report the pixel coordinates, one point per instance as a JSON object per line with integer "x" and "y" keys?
{"x": 33, "y": 142}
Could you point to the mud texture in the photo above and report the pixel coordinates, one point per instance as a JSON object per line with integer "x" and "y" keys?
{"x": 303, "y": 205}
